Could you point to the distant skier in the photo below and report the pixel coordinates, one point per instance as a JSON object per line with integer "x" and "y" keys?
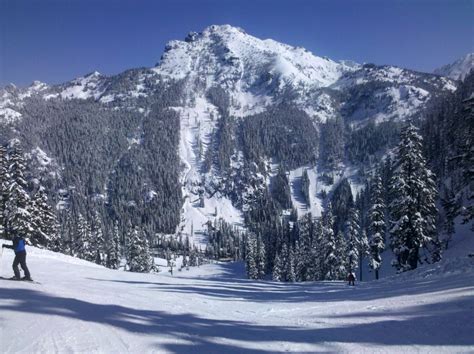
{"x": 20, "y": 257}
{"x": 351, "y": 278}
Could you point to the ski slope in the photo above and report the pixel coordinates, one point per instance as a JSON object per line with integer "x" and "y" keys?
{"x": 82, "y": 307}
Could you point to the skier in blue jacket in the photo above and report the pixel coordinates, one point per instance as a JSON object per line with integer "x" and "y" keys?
{"x": 20, "y": 257}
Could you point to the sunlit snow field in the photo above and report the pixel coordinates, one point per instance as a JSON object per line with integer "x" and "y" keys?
{"x": 81, "y": 307}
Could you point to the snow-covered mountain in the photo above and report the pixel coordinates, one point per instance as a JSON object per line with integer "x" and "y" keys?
{"x": 219, "y": 72}
{"x": 458, "y": 69}
{"x": 255, "y": 73}
{"x": 12, "y": 97}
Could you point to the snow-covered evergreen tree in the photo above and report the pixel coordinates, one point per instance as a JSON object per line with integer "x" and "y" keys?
{"x": 329, "y": 248}
{"x": 305, "y": 182}
{"x": 84, "y": 247}
{"x": 413, "y": 210}
{"x": 315, "y": 271}
{"x": 303, "y": 250}
{"x": 284, "y": 254}
{"x": 281, "y": 189}
{"x": 98, "y": 239}
{"x": 364, "y": 249}
{"x": 113, "y": 251}
{"x": 193, "y": 261}
{"x": 18, "y": 203}
{"x": 451, "y": 207}
{"x": 340, "y": 269}
{"x": 251, "y": 257}
{"x": 353, "y": 231}
{"x": 277, "y": 268}
{"x": 260, "y": 258}
{"x": 139, "y": 259}
{"x": 57, "y": 243}
{"x": 67, "y": 233}
{"x": 44, "y": 220}
{"x": 290, "y": 265}
{"x": 358, "y": 236}
{"x": 377, "y": 226}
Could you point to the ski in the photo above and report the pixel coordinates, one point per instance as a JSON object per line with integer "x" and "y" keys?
{"x": 20, "y": 280}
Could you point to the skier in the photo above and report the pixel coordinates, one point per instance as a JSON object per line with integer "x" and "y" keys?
{"x": 351, "y": 278}
{"x": 20, "y": 258}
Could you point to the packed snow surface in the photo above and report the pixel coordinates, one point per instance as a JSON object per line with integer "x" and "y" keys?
{"x": 82, "y": 307}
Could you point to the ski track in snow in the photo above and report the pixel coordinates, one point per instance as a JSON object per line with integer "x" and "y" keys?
{"x": 297, "y": 198}
{"x": 82, "y": 307}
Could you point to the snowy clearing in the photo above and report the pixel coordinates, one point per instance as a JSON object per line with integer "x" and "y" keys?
{"x": 81, "y": 307}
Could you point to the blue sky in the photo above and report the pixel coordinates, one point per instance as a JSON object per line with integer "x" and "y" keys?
{"x": 55, "y": 41}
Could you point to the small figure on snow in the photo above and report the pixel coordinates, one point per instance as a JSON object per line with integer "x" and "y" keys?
{"x": 351, "y": 278}
{"x": 18, "y": 246}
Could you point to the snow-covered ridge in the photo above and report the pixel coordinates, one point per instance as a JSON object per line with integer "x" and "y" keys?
{"x": 255, "y": 73}
{"x": 11, "y": 100}
{"x": 246, "y": 59}
{"x": 251, "y": 70}
{"x": 458, "y": 69}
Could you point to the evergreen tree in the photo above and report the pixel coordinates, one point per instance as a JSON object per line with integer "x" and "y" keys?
{"x": 329, "y": 247}
{"x": 290, "y": 265}
{"x": 305, "y": 182}
{"x": 377, "y": 225}
{"x": 332, "y": 143}
{"x": 277, "y": 268}
{"x": 251, "y": 257}
{"x": 284, "y": 261}
{"x": 139, "y": 259}
{"x": 451, "y": 208}
{"x": 84, "y": 247}
{"x": 340, "y": 267}
{"x": 303, "y": 250}
{"x": 98, "y": 239}
{"x": 113, "y": 252}
{"x": 281, "y": 189}
{"x": 357, "y": 241}
{"x": 341, "y": 202}
{"x": 57, "y": 243}
{"x": 315, "y": 271}
{"x": 68, "y": 231}
{"x": 260, "y": 258}
{"x": 364, "y": 249}
{"x": 354, "y": 238}
{"x": 18, "y": 203}
{"x": 43, "y": 219}
{"x": 413, "y": 211}
{"x": 193, "y": 258}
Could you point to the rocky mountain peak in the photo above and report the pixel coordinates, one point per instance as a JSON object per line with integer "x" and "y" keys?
{"x": 459, "y": 69}
{"x": 227, "y": 56}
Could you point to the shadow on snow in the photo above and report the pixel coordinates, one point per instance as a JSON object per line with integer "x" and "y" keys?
{"x": 230, "y": 285}
{"x": 204, "y": 335}
{"x": 446, "y": 323}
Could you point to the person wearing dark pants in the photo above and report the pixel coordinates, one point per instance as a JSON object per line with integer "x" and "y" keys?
{"x": 351, "y": 278}
{"x": 20, "y": 257}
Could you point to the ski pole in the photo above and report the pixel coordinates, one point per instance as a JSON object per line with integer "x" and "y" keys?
{"x": 1, "y": 254}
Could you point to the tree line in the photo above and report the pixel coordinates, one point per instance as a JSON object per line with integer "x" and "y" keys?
{"x": 396, "y": 209}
